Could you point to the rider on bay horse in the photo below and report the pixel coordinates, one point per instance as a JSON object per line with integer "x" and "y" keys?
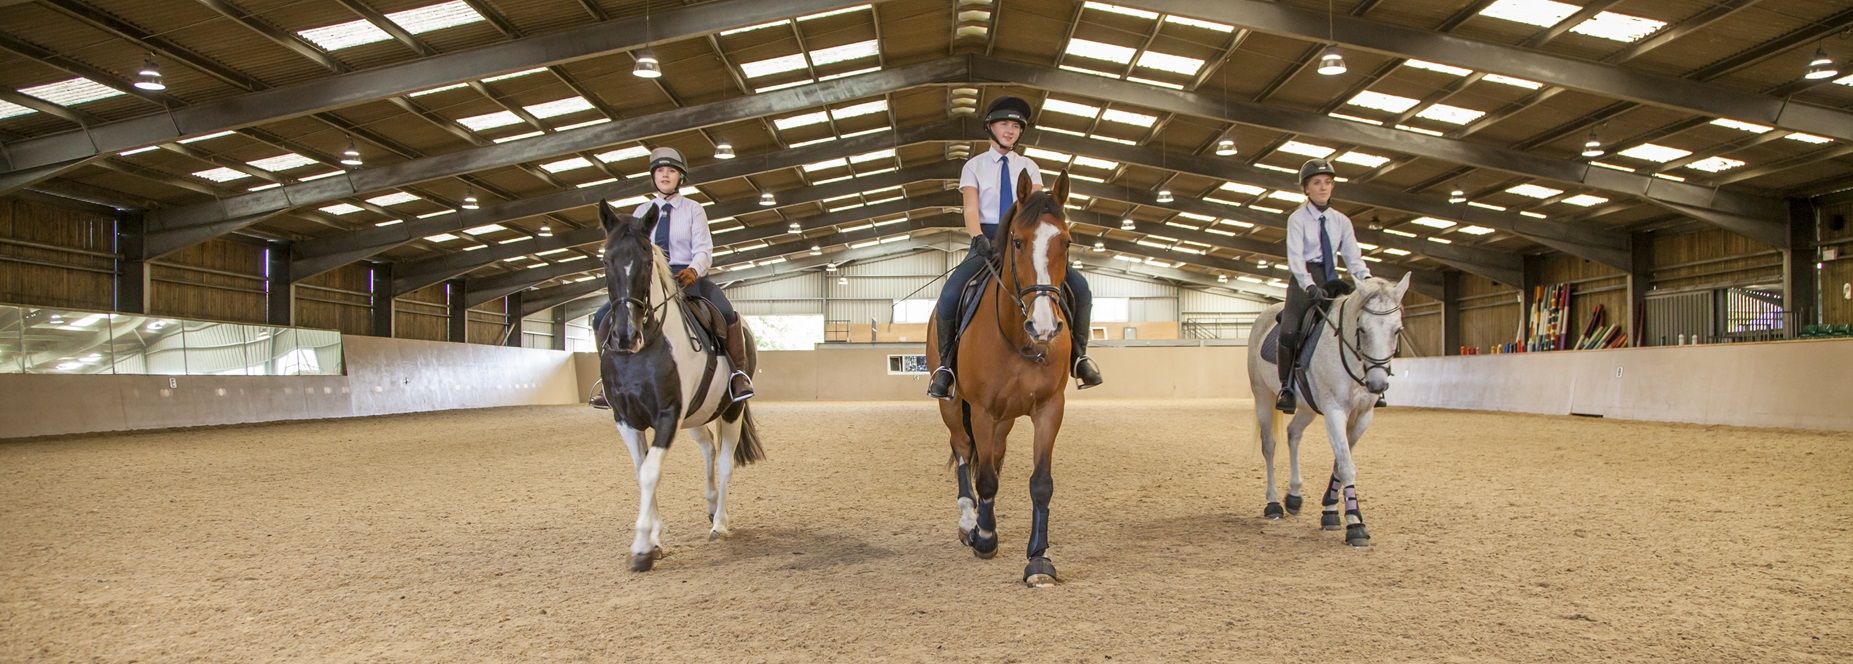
{"x": 1315, "y": 232}
{"x": 682, "y": 233}
{"x": 986, "y": 182}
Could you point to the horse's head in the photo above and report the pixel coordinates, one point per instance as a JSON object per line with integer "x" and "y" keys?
{"x": 630, "y": 263}
{"x": 1378, "y": 309}
{"x": 1034, "y": 247}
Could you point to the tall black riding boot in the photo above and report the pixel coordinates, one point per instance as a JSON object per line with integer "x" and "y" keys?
{"x": 940, "y": 387}
{"x": 740, "y": 384}
{"x": 1084, "y": 368}
{"x": 1284, "y": 356}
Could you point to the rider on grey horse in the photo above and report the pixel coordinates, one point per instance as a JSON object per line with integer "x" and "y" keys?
{"x": 1316, "y": 233}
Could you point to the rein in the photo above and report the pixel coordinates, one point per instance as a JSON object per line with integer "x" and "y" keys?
{"x": 655, "y": 317}
{"x": 1347, "y": 348}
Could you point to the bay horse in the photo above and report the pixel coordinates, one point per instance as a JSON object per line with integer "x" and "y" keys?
{"x": 1349, "y": 368}
{"x": 1012, "y": 361}
{"x": 663, "y": 372}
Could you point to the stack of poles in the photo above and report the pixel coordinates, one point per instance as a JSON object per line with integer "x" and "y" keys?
{"x": 1598, "y": 334}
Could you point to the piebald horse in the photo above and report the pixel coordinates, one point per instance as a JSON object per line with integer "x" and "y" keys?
{"x": 1013, "y": 361}
{"x": 1348, "y": 370}
{"x": 662, "y": 373}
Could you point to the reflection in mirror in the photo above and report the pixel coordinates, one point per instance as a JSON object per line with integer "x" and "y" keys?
{"x": 44, "y": 340}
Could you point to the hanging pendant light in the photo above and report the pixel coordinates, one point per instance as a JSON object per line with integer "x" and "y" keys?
{"x": 767, "y": 200}
{"x": 1225, "y": 148}
{"x": 1457, "y": 196}
{"x": 1164, "y": 196}
{"x": 647, "y": 66}
{"x": 149, "y": 78}
{"x": 795, "y": 229}
{"x": 1126, "y": 224}
{"x": 1222, "y": 278}
{"x": 1100, "y": 247}
{"x": 1330, "y": 62}
{"x": 351, "y": 156}
{"x": 842, "y": 281}
{"x": 1821, "y": 66}
{"x": 546, "y": 230}
{"x": 1592, "y": 148}
{"x": 723, "y": 150}
{"x": 469, "y": 202}
{"x": 817, "y": 250}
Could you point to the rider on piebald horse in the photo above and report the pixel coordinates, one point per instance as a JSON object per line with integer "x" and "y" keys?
{"x": 987, "y": 182}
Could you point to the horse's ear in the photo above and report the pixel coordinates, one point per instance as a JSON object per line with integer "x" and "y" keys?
{"x": 649, "y": 221}
{"x": 1023, "y": 185}
{"x": 606, "y": 217}
{"x": 1402, "y": 286}
{"x": 1060, "y": 192}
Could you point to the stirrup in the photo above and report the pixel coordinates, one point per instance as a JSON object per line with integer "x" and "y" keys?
{"x": 742, "y": 396}
{"x": 1287, "y": 399}
{"x": 1087, "y": 379}
{"x": 597, "y": 400}
{"x": 934, "y": 378}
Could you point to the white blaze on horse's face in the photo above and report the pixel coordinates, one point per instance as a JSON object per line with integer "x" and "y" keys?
{"x": 1042, "y": 317}
{"x": 1381, "y": 331}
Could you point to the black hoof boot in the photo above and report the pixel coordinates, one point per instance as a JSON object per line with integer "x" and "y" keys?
{"x": 1356, "y": 535}
{"x": 1039, "y": 573}
{"x": 1293, "y": 503}
{"x": 1328, "y": 520}
{"x": 984, "y": 547}
{"x": 1272, "y": 511}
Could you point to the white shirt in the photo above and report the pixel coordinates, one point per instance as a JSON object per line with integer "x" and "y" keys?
{"x": 980, "y": 173}
{"x": 1303, "y": 243}
{"x": 689, "y": 241}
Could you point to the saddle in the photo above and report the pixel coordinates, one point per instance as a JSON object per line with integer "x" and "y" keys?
{"x": 708, "y": 317}
{"x": 1310, "y": 329}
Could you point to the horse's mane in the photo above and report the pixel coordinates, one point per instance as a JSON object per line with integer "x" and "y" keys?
{"x": 1039, "y": 203}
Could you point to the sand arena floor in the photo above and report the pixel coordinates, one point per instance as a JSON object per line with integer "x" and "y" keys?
{"x": 501, "y": 535}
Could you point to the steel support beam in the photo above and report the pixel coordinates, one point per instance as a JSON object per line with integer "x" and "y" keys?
{"x": 172, "y": 227}
{"x": 1603, "y": 79}
{"x": 512, "y": 320}
{"x": 279, "y": 287}
{"x": 1640, "y": 280}
{"x": 1800, "y": 260}
{"x": 1450, "y": 313}
{"x": 382, "y": 305}
{"x": 394, "y": 80}
{"x": 458, "y": 329}
{"x": 133, "y": 288}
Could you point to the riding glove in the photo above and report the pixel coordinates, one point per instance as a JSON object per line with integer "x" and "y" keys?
{"x": 981, "y": 247}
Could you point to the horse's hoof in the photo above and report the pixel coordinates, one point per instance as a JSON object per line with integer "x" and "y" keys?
{"x": 1293, "y": 503}
{"x": 1039, "y": 573}
{"x": 642, "y": 562}
{"x": 1356, "y": 535}
{"x": 984, "y": 547}
{"x": 1329, "y": 521}
{"x": 1272, "y": 511}
{"x": 965, "y": 537}
{"x": 717, "y": 533}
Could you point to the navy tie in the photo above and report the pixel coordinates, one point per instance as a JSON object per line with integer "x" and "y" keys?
{"x": 1325, "y": 251}
{"x": 662, "y": 227}
{"x": 1004, "y": 197}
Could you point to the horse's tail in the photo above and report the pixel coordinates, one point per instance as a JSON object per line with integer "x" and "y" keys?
{"x": 748, "y": 449}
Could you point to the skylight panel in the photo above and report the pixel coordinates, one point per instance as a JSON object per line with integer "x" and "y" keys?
{"x": 1450, "y": 114}
{"x": 1117, "y": 9}
{"x": 515, "y": 74}
{"x": 1393, "y": 251}
{"x": 1534, "y": 191}
{"x": 517, "y": 137}
{"x": 1091, "y": 162}
{"x": 833, "y": 12}
{"x": 1176, "y": 64}
{"x": 1585, "y": 200}
{"x": 1354, "y": 118}
{"x": 10, "y": 110}
{"x": 853, "y": 72}
{"x": 207, "y": 137}
{"x": 1740, "y": 125}
{"x": 826, "y": 165}
{"x": 1128, "y": 117}
{"x": 1432, "y": 222}
{"x": 562, "y": 165}
{"x": 1618, "y": 27}
{"x": 395, "y": 198}
{"x": 1206, "y": 25}
{"x": 344, "y": 35}
{"x": 1364, "y": 159}
{"x": 1714, "y": 164}
{"x": 750, "y": 28}
{"x": 1382, "y": 102}
{"x": 587, "y": 123}
{"x": 1240, "y": 188}
{"x": 1612, "y": 167}
{"x": 801, "y": 120}
{"x": 1084, "y": 48}
{"x": 1148, "y": 81}
{"x": 430, "y": 18}
{"x": 1040, "y": 154}
{"x": 1070, "y": 108}
{"x": 1534, "y": 215}
{"x": 1476, "y": 230}
{"x": 872, "y": 156}
{"x": 1514, "y": 82}
{"x": 129, "y": 153}
{"x": 1110, "y": 139}
{"x": 1288, "y": 196}
{"x": 490, "y": 120}
{"x": 1450, "y": 70}
{"x": 845, "y": 53}
{"x": 1808, "y": 138}
{"x": 72, "y": 92}
{"x": 1541, "y": 13}
{"x": 1418, "y": 130}
{"x": 318, "y": 176}
{"x": 1654, "y": 153}
{"x": 1095, "y": 72}
{"x": 559, "y": 107}
{"x": 266, "y": 187}
{"x": 770, "y": 88}
{"x": 1488, "y": 206}
{"x": 485, "y": 230}
{"x": 858, "y": 110}
{"x": 441, "y": 88}
{"x": 770, "y": 66}
{"x": 221, "y": 174}
{"x": 283, "y": 162}
{"x": 1305, "y": 150}
{"x": 340, "y": 209}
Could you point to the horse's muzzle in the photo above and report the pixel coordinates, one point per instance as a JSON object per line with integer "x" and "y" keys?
{"x": 1376, "y": 385}
{"x": 1042, "y": 338}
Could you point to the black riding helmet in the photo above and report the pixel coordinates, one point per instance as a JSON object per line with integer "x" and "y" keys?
{"x": 1314, "y": 167}
{"x": 1007, "y": 108}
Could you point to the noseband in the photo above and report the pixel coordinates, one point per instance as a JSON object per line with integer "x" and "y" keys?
{"x": 1025, "y": 298}
{"x": 653, "y": 321}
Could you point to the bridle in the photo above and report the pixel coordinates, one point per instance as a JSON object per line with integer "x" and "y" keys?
{"x": 1356, "y": 348}
{"x": 653, "y": 321}
{"x": 1026, "y": 297}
